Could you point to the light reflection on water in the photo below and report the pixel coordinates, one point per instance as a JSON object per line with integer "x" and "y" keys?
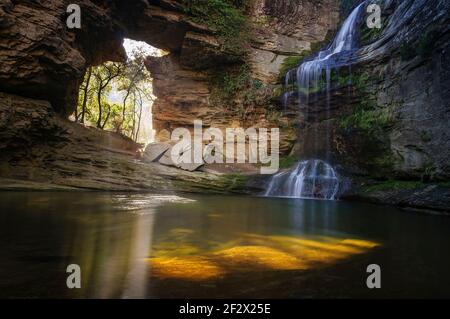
{"x": 143, "y": 203}
{"x": 147, "y": 245}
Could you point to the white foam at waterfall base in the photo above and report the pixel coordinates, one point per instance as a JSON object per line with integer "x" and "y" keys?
{"x": 316, "y": 178}
{"x": 308, "y": 179}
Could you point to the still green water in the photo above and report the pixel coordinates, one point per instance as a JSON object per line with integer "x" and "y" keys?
{"x": 151, "y": 246}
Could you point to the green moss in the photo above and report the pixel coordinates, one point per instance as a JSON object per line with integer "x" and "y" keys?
{"x": 370, "y": 35}
{"x": 273, "y": 115}
{"x": 393, "y": 185}
{"x": 277, "y": 91}
{"x": 234, "y": 181}
{"x": 226, "y": 17}
{"x": 444, "y": 184}
{"x": 227, "y": 83}
{"x": 370, "y": 121}
{"x": 235, "y": 90}
{"x": 429, "y": 171}
{"x": 317, "y": 46}
{"x": 366, "y": 116}
{"x": 291, "y": 62}
{"x": 383, "y": 163}
{"x": 287, "y": 162}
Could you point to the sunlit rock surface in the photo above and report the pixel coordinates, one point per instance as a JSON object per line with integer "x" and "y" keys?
{"x": 41, "y": 150}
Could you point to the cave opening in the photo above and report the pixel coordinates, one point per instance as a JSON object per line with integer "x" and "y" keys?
{"x": 118, "y": 96}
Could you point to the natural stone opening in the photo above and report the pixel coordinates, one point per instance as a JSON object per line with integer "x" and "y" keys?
{"x": 118, "y": 96}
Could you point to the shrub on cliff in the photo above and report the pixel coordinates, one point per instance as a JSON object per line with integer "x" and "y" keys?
{"x": 226, "y": 17}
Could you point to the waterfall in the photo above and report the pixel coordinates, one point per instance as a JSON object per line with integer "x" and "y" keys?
{"x": 309, "y": 74}
{"x": 309, "y": 179}
{"x": 316, "y": 178}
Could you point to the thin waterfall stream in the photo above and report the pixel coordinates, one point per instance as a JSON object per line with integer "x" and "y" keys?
{"x": 315, "y": 178}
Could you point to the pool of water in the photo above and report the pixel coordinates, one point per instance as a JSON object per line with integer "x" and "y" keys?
{"x": 180, "y": 246}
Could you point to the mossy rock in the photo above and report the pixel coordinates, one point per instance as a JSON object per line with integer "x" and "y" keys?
{"x": 225, "y": 17}
{"x": 393, "y": 185}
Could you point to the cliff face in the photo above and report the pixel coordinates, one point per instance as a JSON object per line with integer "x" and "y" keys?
{"x": 392, "y": 120}
{"x": 387, "y": 113}
{"x": 42, "y": 63}
{"x": 41, "y": 58}
{"x": 185, "y": 82}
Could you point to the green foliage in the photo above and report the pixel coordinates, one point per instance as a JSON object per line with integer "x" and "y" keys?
{"x": 369, "y": 120}
{"x": 383, "y": 163}
{"x": 366, "y": 116}
{"x": 273, "y": 115}
{"x": 290, "y": 63}
{"x": 112, "y": 95}
{"x": 369, "y": 35}
{"x": 278, "y": 91}
{"x": 393, "y": 185}
{"x": 369, "y": 124}
{"x": 236, "y": 90}
{"x": 226, "y": 17}
{"x": 287, "y": 162}
{"x": 429, "y": 172}
{"x": 444, "y": 184}
{"x": 228, "y": 82}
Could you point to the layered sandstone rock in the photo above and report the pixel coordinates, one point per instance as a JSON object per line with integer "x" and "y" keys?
{"x": 42, "y": 63}
{"x": 182, "y": 81}
{"x": 45, "y": 151}
{"x": 41, "y": 58}
{"x": 287, "y": 28}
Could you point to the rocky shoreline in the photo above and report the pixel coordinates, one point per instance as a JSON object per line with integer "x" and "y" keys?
{"x": 391, "y": 122}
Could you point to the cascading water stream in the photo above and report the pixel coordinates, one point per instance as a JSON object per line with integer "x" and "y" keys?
{"x": 316, "y": 178}
{"x": 314, "y": 76}
{"x": 309, "y": 179}
{"x": 308, "y": 75}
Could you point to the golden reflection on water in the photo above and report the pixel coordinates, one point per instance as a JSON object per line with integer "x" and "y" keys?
{"x": 249, "y": 253}
{"x": 148, "y": 251}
